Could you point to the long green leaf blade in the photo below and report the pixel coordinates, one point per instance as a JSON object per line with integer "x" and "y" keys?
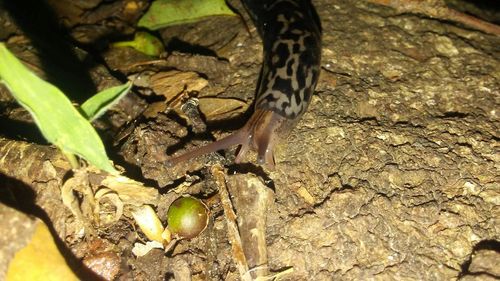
{"x": 55, "y": 116}
{"x": 94, "y": 107}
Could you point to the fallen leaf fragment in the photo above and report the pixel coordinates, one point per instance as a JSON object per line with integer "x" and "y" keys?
{"x": 163, "y": 13}
{"x": 173, "y": 83}
{"x": 140, "y": 249}
{"x": 40, "y": 260}
{"x": 221, "y": 108}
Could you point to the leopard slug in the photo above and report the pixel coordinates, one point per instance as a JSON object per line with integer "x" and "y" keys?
{"x": 291, "y": 35}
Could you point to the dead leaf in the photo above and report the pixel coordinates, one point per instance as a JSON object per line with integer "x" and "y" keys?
{"x": 173, "y": 83}
{"x": 221, "y": 108}
{"x": 40, "y": 259}
{"x": 131, "y": 192}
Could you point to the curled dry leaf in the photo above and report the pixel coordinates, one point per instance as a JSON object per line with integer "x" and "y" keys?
{"x": 112, "y": 196}
{"x": 79, "y": 207}
{"x": 121, "y": 192}
{"x": 131, "y": 192}
{"x": 216, "y": 109}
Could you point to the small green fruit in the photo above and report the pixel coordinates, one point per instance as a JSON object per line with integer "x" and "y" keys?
{"x": 187, "y": 217}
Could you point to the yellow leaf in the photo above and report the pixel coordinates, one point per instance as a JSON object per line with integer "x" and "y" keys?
{"x": 40, "y": 260}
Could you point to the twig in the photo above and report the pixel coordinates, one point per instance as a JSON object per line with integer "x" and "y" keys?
{"x": 232, "y": 226}
{"x": 251, "y": 200}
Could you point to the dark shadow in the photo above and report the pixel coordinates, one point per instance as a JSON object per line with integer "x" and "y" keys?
{"x": 21, "y": 197}
{"x": 490, "y": 8}
{"x": 250, "y": 168}
{"x": 58, "y": 58}
{"x": 175, "y": 44}
{"x": 493, "y": 245}
{"x": 18, "y": 130}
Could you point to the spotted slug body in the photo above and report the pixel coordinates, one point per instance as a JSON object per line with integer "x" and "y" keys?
{"x": 291, "y": 35}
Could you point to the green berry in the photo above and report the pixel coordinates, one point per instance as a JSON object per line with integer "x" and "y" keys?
{"x": 187, "y": 217}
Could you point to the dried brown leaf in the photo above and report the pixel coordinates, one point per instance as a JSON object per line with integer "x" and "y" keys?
{"x": 221, "y": 108}
{"x": 173, "y": 83}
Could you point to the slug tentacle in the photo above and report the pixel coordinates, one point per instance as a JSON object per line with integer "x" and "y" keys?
{"x": 291, "y": 36}
{"x": 260, "y": 133}
{"x": 239, "y": 137}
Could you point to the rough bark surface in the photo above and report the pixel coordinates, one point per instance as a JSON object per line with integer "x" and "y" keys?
{"x": 392, "y": 174}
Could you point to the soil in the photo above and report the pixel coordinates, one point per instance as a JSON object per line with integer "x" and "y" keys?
{"x": 392, "y": 173}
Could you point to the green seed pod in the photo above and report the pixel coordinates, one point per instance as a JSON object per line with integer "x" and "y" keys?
{"x": 187, "y": 217}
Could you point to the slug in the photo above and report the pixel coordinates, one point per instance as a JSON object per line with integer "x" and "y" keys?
{"x": 291, "y": 36}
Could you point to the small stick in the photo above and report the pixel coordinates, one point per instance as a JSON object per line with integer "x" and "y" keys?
{"x": 232, "y": 226}
{"x": 251, "y": 200}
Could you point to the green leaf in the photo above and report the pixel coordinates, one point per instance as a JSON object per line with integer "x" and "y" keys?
{"x": 94, "y": 107}
{"x": 144, "y": 43}
{"x": 55, "y": 116}
{"x": 163, "y": 13}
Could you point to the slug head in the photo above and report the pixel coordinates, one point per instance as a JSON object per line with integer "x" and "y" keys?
{"x": 260, "y": 134}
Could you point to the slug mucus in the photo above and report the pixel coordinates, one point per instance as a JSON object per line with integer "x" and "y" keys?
{"x": 291, "y": 36}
